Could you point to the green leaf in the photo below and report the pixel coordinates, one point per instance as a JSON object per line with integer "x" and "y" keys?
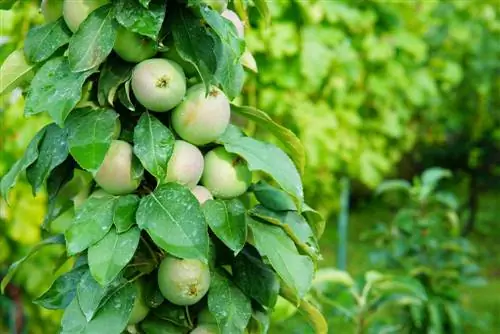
{"x": 173, "y": 218}
{"x": 124, "y": 96}
{"x": 90, "y": 134}
{"x": 293, "y": 146}
{"x": 226, "y": 219}
{"x": 15, "y": 71}
{"x": 57, "y": 179}
{"x": 29, "y": 157}
{"x": 62, "y": 291}
{"x": 294, "y": 225}
{"x": 55, "y": 89}
{"x": 90, "y": 295}
{"x": 393, "y": 185}
{"x": 229, "y": 48}
{"x": 124, "y": 212}
{"x": 54, "y": 240}
{"x": 271, "y": 160}
{"x": 194, "y": 44}
{"x": 230, "y": 307}
{"x": 263, "y": 10}
{"x": 314, "y": 219}
{"x": 144, "y": 20}
{"x": 112, "y": 317}
{"x": 92, "y": 222}
{"x": 294, "y": 269}
{"x": 145, "y": 3}
{"x": 259, "y": 323}
{"x": 174, "y": 313}
{"x": 111, "y": 254}
{"x": 272, "y": 197}
{"x": 7, "y": 4}
{"x": 153, "y": 145}
{"x": 114, "y": 73}
{"x": 52, "y": 151}
{"x": 255, "y": 278}
{"x": 94, "y": 40}
{"x": 156, "y": 326}
{"x": 42, "y": 41}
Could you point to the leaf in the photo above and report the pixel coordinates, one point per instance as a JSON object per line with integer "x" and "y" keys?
{"x": 90, "y": 134}
{"x": 124, "y": 212}
{"x": 153, "y": 145}
{"x": 294, "y": 269}
{"x": 62, "y": 291}
{"x": 112, "y": 317}
{"x": 293, "y": 146}
{"x": 58, "y": 177}
{"x": 230, "y": 307}
{"x": 94, "y": 40}
{"x": 194, "y": 44}
{"x": 259, "y": 323}
{"x": 15, "y": 71}
{"x": 226, "y": 218}
{"x": 52, "y": 151}
{"x": 145, "y": 3}
{"x": 156, "y": 326}
{"x": 173, "y": 218}
{"x": 314, "y": 219}
{"x": 90, "y": 295}
{"x": 263, "y": 10}
{"x": 42, "y": 41}
{"x": 271, "y": 160}
{"x": 124, "y": 96}
{"x": 294, "y": 225}
{"x": 54, "y": 240}
{"x": 174, "y": 313}
{"x": 114, "y": 73}
{"x": 144, "y": 20}
{"x": 7, "y": 4}
{"x": 393, "y": 185}
{"x": 92, "y": 222}
{"x": 55, "y": 89}
{"x": 229, "y": 48}
{"x": 272, "y": 197}
{"x": 29, "y": 157}
{"x": 255, "y": 278}
{"x": 111, "y": 254}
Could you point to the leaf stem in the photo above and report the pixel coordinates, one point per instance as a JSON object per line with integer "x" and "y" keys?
{"x": 150, "y": 250}
{"x": 188, "y": 317}
{"x": 307, "y": 309}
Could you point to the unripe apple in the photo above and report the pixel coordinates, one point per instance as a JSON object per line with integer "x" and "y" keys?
{"x": 206, "y": 329}
{"x": 183, "y": 281}
{"x": 117, "y": 174}
{"x": 140, "y": 310}
{"x": 158, "y": 84}
{"x": 217, "y": 5}
{"x": 76, "y": 11}
{"x": 201, "y": 119}
{"x": 226, "y": 175}
{"x": 51, "y": 9}
{"x": 202, "y": 194}
{"x": 185, "y": 165}
{"x": 133, "y": 47}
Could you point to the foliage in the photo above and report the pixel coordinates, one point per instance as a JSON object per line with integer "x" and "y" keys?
{"x": 363, "y": 82}
{"x": 252, "y": 247}
{"x": 423, "y": 241}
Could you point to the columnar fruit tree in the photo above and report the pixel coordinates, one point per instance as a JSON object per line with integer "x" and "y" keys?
{"x": 171, "y": 218}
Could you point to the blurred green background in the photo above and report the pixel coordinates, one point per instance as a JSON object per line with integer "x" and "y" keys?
{"x": 375, "y": 90}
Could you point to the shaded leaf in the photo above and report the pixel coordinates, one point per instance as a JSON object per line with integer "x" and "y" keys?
{"x": 62, "y": 291}
{"x": 174, "y": 313}
{"x": 226, "y": 219}
{"x": 272, "y": 197}
{"x": 144, "y": 20}
{"x": 54, "y": 240}
{"x": 124, "y": 212}
{"x": 114, "y": 73}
